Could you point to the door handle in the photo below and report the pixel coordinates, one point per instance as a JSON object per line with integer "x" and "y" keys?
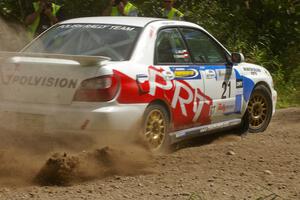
{"x": 142, "y": 81}
{"x": 141, "y": 78}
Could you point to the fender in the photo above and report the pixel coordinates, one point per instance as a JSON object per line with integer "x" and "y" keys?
{"x": 252, "y": 75}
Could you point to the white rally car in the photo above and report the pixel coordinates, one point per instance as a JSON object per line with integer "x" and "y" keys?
{"x": 167, "y": 80}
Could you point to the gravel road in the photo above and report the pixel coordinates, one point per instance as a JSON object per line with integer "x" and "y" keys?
{"x": 224, "y": 166}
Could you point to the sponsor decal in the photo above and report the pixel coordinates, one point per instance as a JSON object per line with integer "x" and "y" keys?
{"x": 239, "y": 83}
{"x": 248, "y": 86}
{"x": 185, "y": 73}
{"x": 168, "y": 75}
{"x": 202, "y": 129}
{"x": 188, "y": 105}
{"x": 224, "y": 74}
{"x": 210, "y": 74}
{"x": 38, "y": 81}
{"x": 252, "y": 70}
{"x": 181, "y": 54}
{"x": 189, "y": 101}
{"x": 221, "y": 107}
{"x": 225, "y": 107}
{"x": 10, "y": 76}
{"x": 167, "y": 23}
{"x": 97, "y": 26}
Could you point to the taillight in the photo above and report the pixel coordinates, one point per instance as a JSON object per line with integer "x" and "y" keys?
{"x": 99, "y": 89}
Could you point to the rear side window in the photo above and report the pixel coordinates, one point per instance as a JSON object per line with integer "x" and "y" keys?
{"x": 203, "y": 48}
{"x": 114, "y": 41}
{"x": 170, "y": 48}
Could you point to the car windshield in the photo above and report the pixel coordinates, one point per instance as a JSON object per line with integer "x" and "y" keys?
{"x": 114, "y": 41}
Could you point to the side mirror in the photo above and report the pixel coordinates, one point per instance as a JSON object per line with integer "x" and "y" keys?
{"x": 237, "y": 58}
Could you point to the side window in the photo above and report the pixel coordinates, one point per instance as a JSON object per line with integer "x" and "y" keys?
{"x": 170, "y": 48}
{"x": 203, "y": 48}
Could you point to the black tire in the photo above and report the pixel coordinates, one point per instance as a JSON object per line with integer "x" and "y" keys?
{"x": 156, "y": 123}
{"x": 259, "y": 110}
{"x": 243, "y": 129}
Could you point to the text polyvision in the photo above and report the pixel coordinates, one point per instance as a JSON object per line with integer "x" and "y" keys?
{"x": 38, "y": 81}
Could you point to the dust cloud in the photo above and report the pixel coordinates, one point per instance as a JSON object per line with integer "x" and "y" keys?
{"x": 31, "y": 156}
{"x": 66, "y": 159}
{"x": 13, "y": 36}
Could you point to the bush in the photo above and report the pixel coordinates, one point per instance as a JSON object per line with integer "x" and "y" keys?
{"x": 267, "y": 32}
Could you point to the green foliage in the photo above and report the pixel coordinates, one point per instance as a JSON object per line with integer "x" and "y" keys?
{"x": 266, "y": 31}
{"x": 86, "y": 8}
{"x": 10, "y": 9}
{"x": 19, "y": 9}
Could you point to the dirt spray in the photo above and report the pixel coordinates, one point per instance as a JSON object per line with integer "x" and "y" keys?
{"x": 33, "y": 157}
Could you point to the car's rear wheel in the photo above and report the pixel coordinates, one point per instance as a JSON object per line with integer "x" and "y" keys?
{"x": 259, "y": 109}
{"x": 155, "y": 128}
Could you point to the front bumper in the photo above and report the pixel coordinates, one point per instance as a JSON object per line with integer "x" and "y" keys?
{"x": 274, "y": 100}
{"x": 77, "y": 117}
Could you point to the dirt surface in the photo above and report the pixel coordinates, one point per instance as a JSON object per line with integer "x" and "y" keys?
{"x": 223, "y": 166}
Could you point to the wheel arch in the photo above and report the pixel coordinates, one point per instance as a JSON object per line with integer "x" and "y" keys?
{"x": 266, "y": 90}
{"x": 258, "y": 84}
{"x": 264, "y": 84}
{"x": 165, "y": 143}
{"x": 255, "y": 86}
{"x": 165, "y": 105}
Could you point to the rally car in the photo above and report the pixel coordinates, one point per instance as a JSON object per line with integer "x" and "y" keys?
{"x": 161, "y": 79}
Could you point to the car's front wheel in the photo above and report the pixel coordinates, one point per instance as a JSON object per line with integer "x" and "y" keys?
{"x": 155, "y": 128}
{"x": 259, "y": 109}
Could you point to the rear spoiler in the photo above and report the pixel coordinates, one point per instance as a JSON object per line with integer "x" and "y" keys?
{"x": 13, "y": 57}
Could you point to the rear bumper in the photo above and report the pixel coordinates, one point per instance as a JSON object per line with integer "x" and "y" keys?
{"x": 78, "y": 117}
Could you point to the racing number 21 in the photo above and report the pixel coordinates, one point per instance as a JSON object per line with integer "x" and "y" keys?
{"x": 225, "y": 85}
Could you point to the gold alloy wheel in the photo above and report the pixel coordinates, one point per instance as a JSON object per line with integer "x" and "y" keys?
{"x": 155, "y": 128}
{"x": 258, "y": 111}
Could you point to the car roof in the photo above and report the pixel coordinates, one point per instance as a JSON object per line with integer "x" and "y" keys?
{"x": 128, "y": 21}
